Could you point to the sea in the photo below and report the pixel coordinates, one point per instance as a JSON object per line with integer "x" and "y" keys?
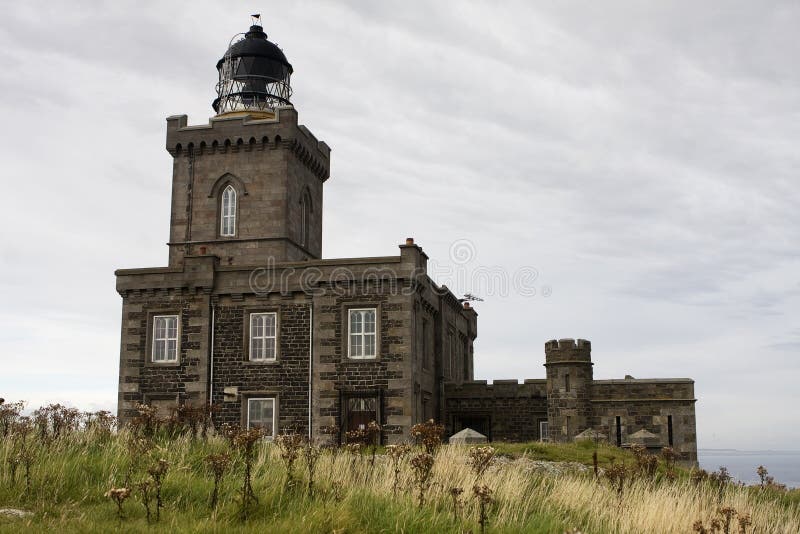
{"x": 742, "y": 465}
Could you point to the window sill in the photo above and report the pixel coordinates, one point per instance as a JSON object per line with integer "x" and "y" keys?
{"x": 175, "y": 363}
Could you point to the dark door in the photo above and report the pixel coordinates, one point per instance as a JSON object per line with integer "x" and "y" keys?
{"x": 476, "y": 423}
{"x": 361, "y": 411}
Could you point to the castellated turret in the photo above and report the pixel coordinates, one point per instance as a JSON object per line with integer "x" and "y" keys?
{"x": 569, "y": 382}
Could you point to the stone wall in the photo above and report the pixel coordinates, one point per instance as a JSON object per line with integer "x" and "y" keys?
{"x": 444, "y": 332}
{"x": 149, "y": 292}
{"x": 649, "y": 404}
{"x": 387, "y": 377}
{"x": 271, "y": 163}
{"x": 143, "y": 381}
{"x": 286, "y": 378}
{"x": 508, "y": 410}
{"x": 571, "y": 401}
{"x": 424, "y": 362}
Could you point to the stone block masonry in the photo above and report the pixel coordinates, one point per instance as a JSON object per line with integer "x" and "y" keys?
{"x": 505, "y": 410}
{"x": 246, "y": 237}
{"x": 286, "y": 378}
{"x": 570, "y": 401}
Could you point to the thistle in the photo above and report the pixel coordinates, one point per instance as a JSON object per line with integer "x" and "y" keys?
{"x": 374, "y": 439}
{"x": 289, "y": 445}
{"x": 219, "y": 464}
{"x": 480, "y": 459}
{"x": 396, "y": 454}
{"x": 484, "y": 496}
{"x": 422, "y": 465}
{"x": 145, "y": 491}
{"x": 158, "y": 472}
{"x": 744, "y": 522}
{"x": 455, "y": 495}
{"x": 311, "y": 455}
{"x": 245, "y": 441}
{"x": 118, "y": 495}
{"x": 428, "y": 434}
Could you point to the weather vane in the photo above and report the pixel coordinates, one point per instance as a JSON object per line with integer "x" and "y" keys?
{"x": 256, "y": 18}
{"x": 470, "y": 296}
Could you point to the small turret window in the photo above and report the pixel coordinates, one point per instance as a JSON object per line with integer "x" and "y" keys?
{"x": 228, "y": 208}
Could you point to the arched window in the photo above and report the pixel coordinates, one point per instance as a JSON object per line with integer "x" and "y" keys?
{"x": 305, "y": 218}
{"x": 228, "y": 212}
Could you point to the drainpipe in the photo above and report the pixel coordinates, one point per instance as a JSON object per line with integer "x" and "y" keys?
{"x": 211, "y": 358}
{"x": 310, "y": 361}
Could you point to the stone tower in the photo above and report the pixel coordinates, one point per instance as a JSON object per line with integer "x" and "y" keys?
{"x": 569, "y": 382}
{"x": 247, "y": 187}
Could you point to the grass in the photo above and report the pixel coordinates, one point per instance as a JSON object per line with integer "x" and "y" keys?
{"x": 580, "y": 452}
{"x": 71, "y": 474}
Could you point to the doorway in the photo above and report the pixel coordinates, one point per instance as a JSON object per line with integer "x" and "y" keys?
{"x": 361, "y": 411}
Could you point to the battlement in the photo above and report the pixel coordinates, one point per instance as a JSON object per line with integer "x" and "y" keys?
{"x": 567, "y": 343}
{"x": 568, "y": 351}
{"x": 481, "y": 389}
{"x": 242, "y": 133}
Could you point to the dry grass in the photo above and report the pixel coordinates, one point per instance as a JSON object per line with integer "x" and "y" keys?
{"x": 646, "y": 506}
{"x": 71, "y": 473}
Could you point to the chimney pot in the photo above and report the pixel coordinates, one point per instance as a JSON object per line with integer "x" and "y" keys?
{"x": 409, "y": 241}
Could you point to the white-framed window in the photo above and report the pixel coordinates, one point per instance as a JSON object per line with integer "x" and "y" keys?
{"x": 261, "y": 414}
{"x": 263, "y": 336}
{"x": 228, "y": 212}
{"x": 361, "y": 333}
{"x": 543, "y": 428}
{"x": 165, "y": 338}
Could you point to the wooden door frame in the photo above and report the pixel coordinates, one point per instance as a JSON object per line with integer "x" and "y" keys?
{"x": 345, "y": 395}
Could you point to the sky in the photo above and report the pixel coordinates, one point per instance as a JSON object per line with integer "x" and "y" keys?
{"x": 623, "y": 172}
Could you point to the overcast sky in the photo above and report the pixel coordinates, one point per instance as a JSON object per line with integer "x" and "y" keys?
{"x": 642, "y": 157}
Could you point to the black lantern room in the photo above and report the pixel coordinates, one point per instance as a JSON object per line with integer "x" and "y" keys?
{"x": 253, "y": 75}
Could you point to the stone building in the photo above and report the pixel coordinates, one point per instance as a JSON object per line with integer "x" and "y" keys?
{"x": 570, "y": 402}
{"x": 249, "y": 317}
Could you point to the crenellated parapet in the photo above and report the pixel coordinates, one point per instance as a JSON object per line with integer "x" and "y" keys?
{"x": 244, "y": 133}
{"x": 565, "y": 351}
